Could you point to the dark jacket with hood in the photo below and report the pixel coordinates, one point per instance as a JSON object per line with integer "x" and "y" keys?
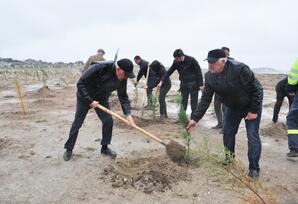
{"x": 98, "y": 82}
{"x": 236, "y": 85}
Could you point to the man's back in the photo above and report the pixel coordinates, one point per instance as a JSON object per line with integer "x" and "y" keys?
{"x": 92, "y": 59}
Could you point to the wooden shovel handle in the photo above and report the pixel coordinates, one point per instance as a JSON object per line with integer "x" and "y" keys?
{"x": 126, "y": 121}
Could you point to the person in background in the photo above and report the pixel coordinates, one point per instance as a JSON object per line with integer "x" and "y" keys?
{"x": 281, "y": 90}
{"x": 227, "y": 52}
{"x": 190, "y": 76}
{"x": 292, "y": 117}
{"x": 159, "y": 70}
{"x": 242, "y": 94}
{"x": 143, "y": 72}
{"x": 94, "y": 58}
{"x": 93, "y": 88}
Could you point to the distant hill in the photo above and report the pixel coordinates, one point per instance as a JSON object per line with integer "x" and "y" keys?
{"x": 267, "y": 70}
{"x": 13, "y": 63}
{"x": 259, "y": 70}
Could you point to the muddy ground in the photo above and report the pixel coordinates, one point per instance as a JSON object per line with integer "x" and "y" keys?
{"x": 33, "y": 171}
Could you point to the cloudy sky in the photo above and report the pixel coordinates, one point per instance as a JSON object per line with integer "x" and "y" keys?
{"x": 260, "y": 33}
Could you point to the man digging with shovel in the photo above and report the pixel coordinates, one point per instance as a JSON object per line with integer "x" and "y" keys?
{"x": 93, "y": 88}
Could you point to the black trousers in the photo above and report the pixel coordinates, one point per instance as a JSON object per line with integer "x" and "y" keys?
{"x": 81, "y": 112}
{"x": 218, "y": 108}
{"x": 192, "y": 89}
{"x": 164, "y": 89}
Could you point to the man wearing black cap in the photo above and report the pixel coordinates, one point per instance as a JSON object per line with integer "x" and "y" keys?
{"x": 94, "y": 87}
{"x": 190, "y": 76}
{"x": 94, "y": 58}
{"x": 242, "y": 94}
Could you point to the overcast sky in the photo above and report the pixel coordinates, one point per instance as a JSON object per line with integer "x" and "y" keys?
{"x": 260, "y": 33}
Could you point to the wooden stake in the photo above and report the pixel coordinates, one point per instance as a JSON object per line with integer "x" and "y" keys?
{"x": 20, "y": 95}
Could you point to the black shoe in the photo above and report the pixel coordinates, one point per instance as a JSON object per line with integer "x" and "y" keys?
{"x": 108, "y": 152}
{"x": 254, "y": 174}
{"x": 293, "y": 153}
{"x": 218, "y": 126}
{"x": 67, "y": 155}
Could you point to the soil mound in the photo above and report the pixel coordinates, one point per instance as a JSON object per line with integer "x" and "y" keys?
{"x": 276, "y": 130}
{"x": 176, "y": 151}
{"x": 141, "y": 122}
{"x": 43, "y": 92}
{"x": 149, "y": 175}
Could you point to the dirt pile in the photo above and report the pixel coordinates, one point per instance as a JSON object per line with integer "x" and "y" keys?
{"x": 154, "y": 174}
{"x": 176, "y": 151}
{"x": 43, "y": 92}
{"x": 141, "y": 122}
{"x": 276, "y": 130}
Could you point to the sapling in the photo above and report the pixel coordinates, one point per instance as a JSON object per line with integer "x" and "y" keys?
{"x": 183, "y": 120}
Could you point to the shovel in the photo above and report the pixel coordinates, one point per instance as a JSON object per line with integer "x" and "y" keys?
{"x": 174, "y": 150}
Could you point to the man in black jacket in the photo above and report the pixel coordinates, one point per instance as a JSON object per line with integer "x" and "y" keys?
{"x": 281, "y": 89}
{"x": 143, "y": 72}
{"x": 190, "y": 76}
{"x": 158, "y": 71}
{"x": 94, "y": 87}
{"x": 242, "y": 94}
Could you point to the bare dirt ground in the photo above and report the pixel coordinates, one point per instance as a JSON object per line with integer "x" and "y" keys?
{"x": 32, "y": 169}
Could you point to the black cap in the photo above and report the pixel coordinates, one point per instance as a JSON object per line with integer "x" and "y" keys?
{"x": 101, "y": 50}
{"x": 214, "y": 55}
{"x": 127, "y": 66}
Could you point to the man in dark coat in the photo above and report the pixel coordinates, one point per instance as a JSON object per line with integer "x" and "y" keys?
{"x": 143, "y": 72}
{"x": 190, "y": 76}
{"x": 93, "y": 88}
{"x": 281, "y": 89}
{"x": 242, "y": 94}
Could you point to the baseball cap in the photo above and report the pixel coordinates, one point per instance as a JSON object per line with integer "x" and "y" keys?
{"x": 214, "y": 55}
{"x": 127, "y": 66}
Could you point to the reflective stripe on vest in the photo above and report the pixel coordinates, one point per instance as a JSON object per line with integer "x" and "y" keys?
{"x": 293, "y": 74}
{"x": 292, "y": 132}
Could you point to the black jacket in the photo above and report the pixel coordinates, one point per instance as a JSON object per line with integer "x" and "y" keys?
{"x": 143, "y": 72}
{"x": 237, "y": 87}
{"x": 282, "y": 87}
{"x": 158, "y": 72}
{"x": 189, "y": 71}
{"x": 97, "y": 83}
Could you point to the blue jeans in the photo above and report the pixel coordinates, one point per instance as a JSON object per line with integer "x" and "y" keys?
{"x": 232, "y": 119}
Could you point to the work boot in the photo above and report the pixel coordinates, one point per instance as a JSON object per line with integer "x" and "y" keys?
{"x": 218, "y": 126}
{"x": 108, "y": 152}
{"x": 293, "y": 153}
{"x": 67, "y": 155}
{"x": 254, "y": 174}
